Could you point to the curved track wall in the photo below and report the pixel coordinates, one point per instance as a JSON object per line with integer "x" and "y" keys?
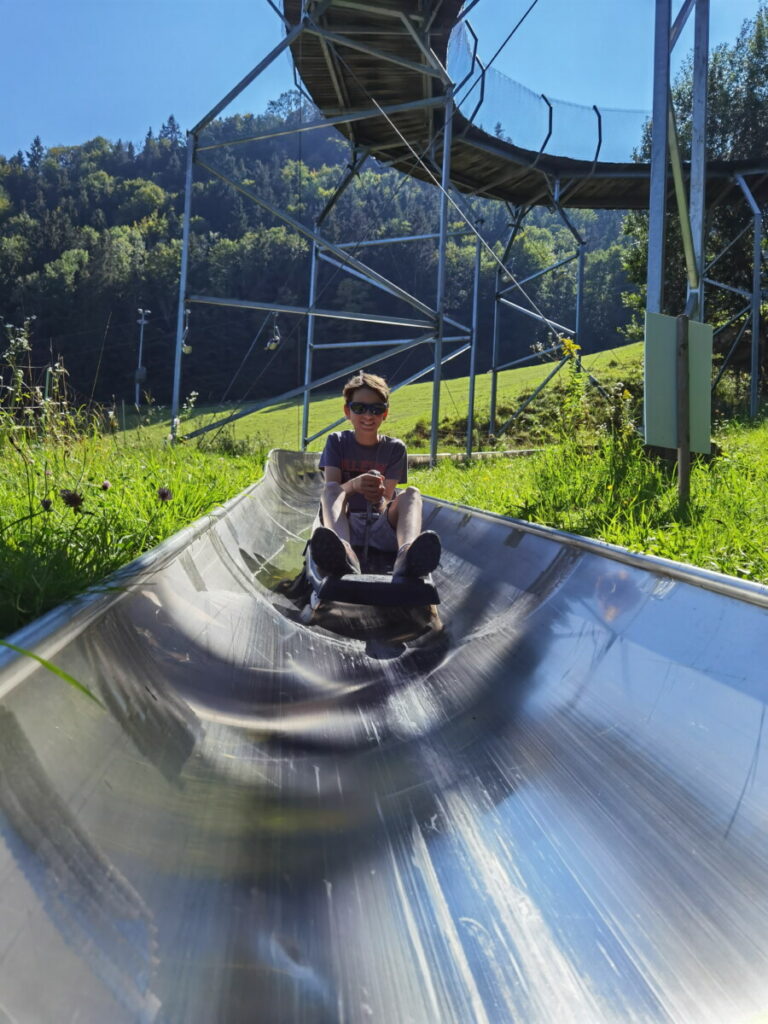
{"x": 392, "y": 68}
{"x": 552, "y": 811}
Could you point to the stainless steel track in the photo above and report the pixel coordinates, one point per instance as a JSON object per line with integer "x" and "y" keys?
{"x": 553, "y": 811}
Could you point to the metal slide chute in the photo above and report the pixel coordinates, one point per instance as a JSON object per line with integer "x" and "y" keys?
{"x": 555, "y": 813}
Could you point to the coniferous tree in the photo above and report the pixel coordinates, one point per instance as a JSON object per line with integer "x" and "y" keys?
{"x": 35, "y": 154}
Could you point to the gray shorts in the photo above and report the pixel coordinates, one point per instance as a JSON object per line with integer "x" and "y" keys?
{"x": 381, "y": 534}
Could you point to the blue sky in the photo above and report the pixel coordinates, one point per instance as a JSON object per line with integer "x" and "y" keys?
{"x": 73, "y": 69}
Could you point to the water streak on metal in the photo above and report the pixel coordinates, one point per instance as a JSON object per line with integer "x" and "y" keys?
{"x": 552, "y": 811}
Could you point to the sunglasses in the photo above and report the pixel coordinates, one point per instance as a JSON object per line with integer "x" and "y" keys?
{"x": 375, "y": 409}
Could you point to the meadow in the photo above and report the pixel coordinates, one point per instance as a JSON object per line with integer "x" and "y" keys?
{"x": 411, "y": 408}
{"x": 614, "y": 491}
{"x": 82, "y": 497}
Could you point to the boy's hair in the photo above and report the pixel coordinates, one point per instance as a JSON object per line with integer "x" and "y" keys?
{"x": 366, "y": 380}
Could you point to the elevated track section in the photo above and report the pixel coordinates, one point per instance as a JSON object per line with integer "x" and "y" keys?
{"x": 395, "y": 55}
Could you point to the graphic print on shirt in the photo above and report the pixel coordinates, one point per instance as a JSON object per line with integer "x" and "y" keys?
{"x": 343, "y": 452}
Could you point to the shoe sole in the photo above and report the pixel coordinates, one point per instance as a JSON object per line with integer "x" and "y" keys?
{"x": 329, "y": 554}
{"x": 423, "y": 555}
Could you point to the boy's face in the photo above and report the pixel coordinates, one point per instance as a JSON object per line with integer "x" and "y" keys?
{"x": 366, "y": 411}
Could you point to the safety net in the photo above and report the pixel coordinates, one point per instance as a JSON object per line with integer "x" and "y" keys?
{"x": 529, "y": 120}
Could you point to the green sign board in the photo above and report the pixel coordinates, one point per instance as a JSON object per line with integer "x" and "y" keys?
{"x": 661, "y": 382}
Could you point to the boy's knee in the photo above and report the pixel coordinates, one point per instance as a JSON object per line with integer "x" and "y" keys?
{"x": 412, "y": 492}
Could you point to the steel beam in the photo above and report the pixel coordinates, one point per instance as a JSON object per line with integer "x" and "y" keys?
{"x": 659, "y": 157}
{"x": 399, "y": 293}
{"x": 283, "y": 45}
{"x": 473, "y": 353}
{"x": 445, "y": 184}
{"x": 352, "y": 172}
{"x": 579, "y": 311}
{"x": 747, "y": 227}
{"x": 348, "y": 118}
{"x": 539, "y": 273}
{"x": 309, "y": 347}
{"x": 339, "y": 85}
{"x": 301, "y": 229}
{"x": 403, "y": 384}
{"x": 732, "y": 319}
{"x": 518, "y": 215}
{"x": 293, "y": 393}
{"x": 428, "y": 53}
{"x": 467, "y": 330}
{"x": 401, "y": 238}
{"x": 382, "y": 344}
{"x": 726, "y": 361}
{"x": 183, "y": 271}
{"x": 757, "y": 267}
{"x": 501, "y": 293}
{"x": 728, "y": 287}
{"x": 495, "y": 343}
{"x": 279, "y": 13}
{"x": 680, "y": 22}
{"x": 466, "y": 9}
{"x": 354, "y": 44}
{"x": 537, "y": 316}
{"x": 531, "y": 357}
{"x": 377, "y": 9}
{"x": 331, "y": 314}
{"x": 505, "y": 426}
{"x": 697, "y": 201}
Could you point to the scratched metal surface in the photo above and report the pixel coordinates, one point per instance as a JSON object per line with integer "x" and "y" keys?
{"x": 555, "y": 810}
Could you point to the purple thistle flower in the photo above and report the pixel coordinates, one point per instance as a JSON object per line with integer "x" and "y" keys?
{"x": 164, "y": 493}
{"x": 72, "y": 499}
{"x": 46, "y": 504}
{"x": 105, "y": 485}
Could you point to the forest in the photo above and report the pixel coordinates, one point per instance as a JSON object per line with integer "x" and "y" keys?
{"x": 91, "y": 233}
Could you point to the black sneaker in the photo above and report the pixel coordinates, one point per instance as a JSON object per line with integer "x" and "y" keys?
{"x": 420, "y": 558}
{"x": 331, "y": 555}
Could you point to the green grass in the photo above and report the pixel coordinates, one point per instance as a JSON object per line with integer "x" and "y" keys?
{"x": 615, "y": 492}
{"x": 49, "y": 556}
{"x": 281, "y": 426}
{"x": 591, "y": 477}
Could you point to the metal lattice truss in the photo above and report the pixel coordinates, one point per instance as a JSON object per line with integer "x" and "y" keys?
{"x": 378, "y": 74}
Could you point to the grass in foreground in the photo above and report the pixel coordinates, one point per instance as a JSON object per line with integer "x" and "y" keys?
{"x": 615, "y": 492}
{"x": 75, "y": 509}
{"x": 73, "y": 513}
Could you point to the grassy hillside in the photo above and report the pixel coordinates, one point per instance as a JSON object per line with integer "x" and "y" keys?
{"x": 280, "y": 426}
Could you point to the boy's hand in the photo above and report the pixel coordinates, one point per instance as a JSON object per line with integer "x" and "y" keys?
{"x": 371, "y": 486}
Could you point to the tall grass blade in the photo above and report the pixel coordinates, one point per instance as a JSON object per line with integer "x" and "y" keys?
{"x": 56, "y": 671}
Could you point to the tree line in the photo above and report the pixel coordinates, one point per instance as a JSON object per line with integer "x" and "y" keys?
{"x": 91, "y": 233}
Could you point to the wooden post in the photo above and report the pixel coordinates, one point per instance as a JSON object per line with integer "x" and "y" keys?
{"x": 683, "y": 414}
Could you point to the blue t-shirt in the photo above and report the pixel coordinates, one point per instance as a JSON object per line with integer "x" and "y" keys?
{"x": 388, "y": 456}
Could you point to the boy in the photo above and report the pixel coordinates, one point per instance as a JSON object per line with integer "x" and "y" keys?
{"x": 364, "y": 467}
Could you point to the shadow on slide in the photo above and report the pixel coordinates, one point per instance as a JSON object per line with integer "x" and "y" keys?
{"x": 551, "y": 810}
